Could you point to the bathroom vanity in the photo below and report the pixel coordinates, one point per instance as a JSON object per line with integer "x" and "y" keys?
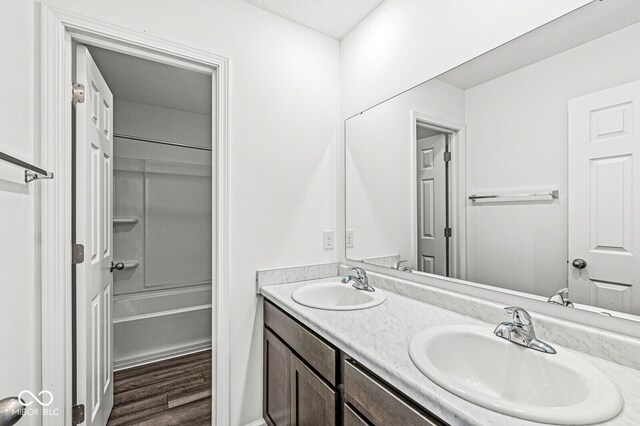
{"x": 307, "y": 380}
{"x": 354, "y": 367}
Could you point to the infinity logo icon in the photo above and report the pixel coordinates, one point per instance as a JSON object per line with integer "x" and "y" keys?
{"x": 45, "y": 394}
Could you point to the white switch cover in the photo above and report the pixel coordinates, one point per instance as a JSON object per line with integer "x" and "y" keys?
{"x": 348, "y": 239}
{"x": 327, "y": 239}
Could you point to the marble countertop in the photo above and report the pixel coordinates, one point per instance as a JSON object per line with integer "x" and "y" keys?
{"x": 379, "y": 338}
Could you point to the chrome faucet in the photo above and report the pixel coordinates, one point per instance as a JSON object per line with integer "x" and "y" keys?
{"x": 360, "y": 280}
{"x": 561, "y": 297}
{"x": 520, "y": 331}
{"x": 400, "y": 267}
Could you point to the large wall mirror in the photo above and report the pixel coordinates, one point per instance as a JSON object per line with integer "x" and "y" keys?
{"x": 519, "y": 169}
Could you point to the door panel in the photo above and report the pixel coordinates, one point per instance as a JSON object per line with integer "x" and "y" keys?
{"x": 604, "y": 201}
{"x": 94, "y": 227}
{"x": 432, "y": 254}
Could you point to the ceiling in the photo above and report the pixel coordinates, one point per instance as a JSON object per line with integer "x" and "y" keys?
{"x": 153, "y": 83}
{"x": 334, "y": 18}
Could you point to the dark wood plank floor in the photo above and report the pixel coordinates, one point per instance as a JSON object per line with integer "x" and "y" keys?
{"x": 165, "y": 393}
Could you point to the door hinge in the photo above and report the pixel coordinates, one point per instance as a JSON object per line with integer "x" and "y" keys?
{"x": 447, "y": 156}
{"x": 77, "y": 414}
{"x": 447, "y": 232}
{"x": 77, "y": 93}
{"x": 77, "y": 254}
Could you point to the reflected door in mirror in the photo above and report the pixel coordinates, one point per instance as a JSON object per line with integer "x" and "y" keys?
{"x": 432, "y": 209}
{"x": 604, "y": 198}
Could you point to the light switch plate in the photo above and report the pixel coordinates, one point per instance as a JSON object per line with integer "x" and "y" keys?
{"x": 348, "y": 239}
{"x": 328, "y": 239}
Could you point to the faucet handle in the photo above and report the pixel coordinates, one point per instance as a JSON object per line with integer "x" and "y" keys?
{"x": 360, "y": 273}
{"x": 561, "y": 297}
{"x": 520, "y": 316}
{"x": 398, "y": 264}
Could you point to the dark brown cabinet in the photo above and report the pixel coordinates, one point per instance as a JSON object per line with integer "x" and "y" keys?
{"x": 378, "y": 403}
{"x": 299, "y": 374}
{"x": 351, "y": 417}
{"x": 277, "y": 381}
{"x": 308, "y": 382}
{"x": 316, "y": 352}
{"x": 312, "y": 401}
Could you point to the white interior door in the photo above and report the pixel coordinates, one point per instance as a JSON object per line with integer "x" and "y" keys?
{"x": 94, "y": 227}
{"x": 431, "y": 186}
{"x": 604, "y": 198}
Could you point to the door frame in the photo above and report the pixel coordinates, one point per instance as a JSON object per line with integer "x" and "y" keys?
{"x": 56, "y": 31}
{"x": 457, "y": 189}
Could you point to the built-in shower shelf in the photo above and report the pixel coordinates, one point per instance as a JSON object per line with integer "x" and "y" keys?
{"x": 126, "y": 220}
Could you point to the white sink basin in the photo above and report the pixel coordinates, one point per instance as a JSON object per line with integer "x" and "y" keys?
{"x": 336, "y": 296}
{"x": 473, "y": 363}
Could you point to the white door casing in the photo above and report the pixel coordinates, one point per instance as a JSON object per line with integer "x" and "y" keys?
{"x": 431, "y": 185}
{"x": 94, "y": 228}
{"x": 604, "y": 198}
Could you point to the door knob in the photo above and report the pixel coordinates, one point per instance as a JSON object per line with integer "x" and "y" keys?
{"x": 579, "y": 263}
{"x": 11, "y": 410}
{"x": 119, "y": 266}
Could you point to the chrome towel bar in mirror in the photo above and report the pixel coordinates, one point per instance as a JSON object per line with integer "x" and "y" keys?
{"x": 516, "y": 197}
{"x": 32, "y": 173}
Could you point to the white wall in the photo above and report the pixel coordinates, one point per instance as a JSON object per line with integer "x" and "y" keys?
{"x": 379, "y": 159}
{"x": 517, "y": 141}
{"x": 405, "y": 42}
{"x": 19, "y": 306}
{"x": 284, "y": 125}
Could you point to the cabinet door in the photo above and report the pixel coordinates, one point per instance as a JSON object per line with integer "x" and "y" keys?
{"x": 313, "y": 402}
{"x": 277, "y": 381}
{"x": 351, "y": 418}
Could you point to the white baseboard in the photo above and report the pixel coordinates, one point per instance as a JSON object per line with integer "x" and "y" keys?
{"x": 259, "y": 422}
{"x": 162, "y": 356}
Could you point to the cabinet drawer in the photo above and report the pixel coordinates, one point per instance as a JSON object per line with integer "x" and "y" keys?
{"x": 351, "y": 418}
{"x": 318, "y": 354}
{"x": 378, "y": 402}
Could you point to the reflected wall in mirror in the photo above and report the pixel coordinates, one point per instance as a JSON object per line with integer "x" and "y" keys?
{"x": 519, "y": 169}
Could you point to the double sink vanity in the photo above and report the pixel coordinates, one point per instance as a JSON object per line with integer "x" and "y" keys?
{"x": 344, "y": 351}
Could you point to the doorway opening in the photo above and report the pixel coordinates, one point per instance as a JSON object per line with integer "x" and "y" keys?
{"x": 78, "y": 356}
{"x": 432, "y": 181}
{"x": 438, "y": 182}
{"x": 143, "y": 213}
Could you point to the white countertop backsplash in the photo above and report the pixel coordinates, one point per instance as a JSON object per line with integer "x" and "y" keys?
{"x": 379, "y": 338}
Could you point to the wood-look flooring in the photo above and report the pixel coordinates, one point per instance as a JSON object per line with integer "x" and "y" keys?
{"x": 166, "y": 393}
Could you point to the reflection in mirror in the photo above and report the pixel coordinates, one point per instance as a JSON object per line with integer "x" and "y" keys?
{"x": 519, "y": 169}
